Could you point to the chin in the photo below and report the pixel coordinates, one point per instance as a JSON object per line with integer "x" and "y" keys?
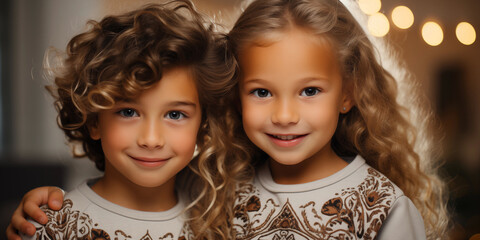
{"x": 286, "y": 160}
{"x": 149, "y": 183}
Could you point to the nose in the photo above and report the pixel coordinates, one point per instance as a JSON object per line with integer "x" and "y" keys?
{"x": 150, "y": 135}
{"x": 285, "y": 113}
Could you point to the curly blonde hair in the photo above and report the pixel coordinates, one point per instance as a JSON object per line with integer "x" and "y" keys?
{"x": 377, "y": 127}
{"x": 121, "y": 56}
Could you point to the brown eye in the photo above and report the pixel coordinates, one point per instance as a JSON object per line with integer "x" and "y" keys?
{"x": 310, "y": 91}
{"x": 261, "y": 93}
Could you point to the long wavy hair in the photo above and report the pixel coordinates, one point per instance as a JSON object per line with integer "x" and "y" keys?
{"x": 121, "y": 56}
{"x": 377, "y": 127}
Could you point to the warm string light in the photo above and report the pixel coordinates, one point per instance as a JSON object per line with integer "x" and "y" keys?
{"x": 378, "y": 25}
{"x": 465, "y": 33}
{"x": 403, "y": 18}
{"x": 432, "y": 33}
{"x": 370, "y": 7}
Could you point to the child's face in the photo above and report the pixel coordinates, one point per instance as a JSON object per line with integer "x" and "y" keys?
{"x": 291, "y": 94}
{"x": 150, "y": 139}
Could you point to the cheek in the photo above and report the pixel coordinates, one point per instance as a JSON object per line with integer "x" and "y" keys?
{"x": 253, "y": 115}
{"x": 324, "y": 114}
{"x": 183, "y": 140}
{"x": 117, "y": 136}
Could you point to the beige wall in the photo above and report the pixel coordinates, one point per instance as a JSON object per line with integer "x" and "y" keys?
{"x": 224, "y": 10}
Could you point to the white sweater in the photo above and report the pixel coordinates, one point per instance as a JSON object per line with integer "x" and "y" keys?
{"x": 86, "y": 215}
{"x": 357, "y": 202}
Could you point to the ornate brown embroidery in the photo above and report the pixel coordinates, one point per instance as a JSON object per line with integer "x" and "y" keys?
{"x": 249, "y": 212}
{"x": 353, "y": 213}
{"x": 147, "y": 237}
{"x": 69, "y": 224}
{"x": 286, "y": 219}
{"x": 99, "y": 234}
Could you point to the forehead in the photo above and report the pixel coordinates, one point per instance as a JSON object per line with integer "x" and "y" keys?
{"x": 175, "y": 84}
{"x": 293, "y": 52}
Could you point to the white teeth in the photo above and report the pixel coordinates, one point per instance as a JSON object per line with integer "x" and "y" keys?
{"x": 283, "y": 137}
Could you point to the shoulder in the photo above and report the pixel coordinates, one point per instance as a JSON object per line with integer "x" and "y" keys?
{"x": 396, "y": 215}
{"x": 361, "y": 183}
{"x": 373, "y": 190}
{"x": 403, "y": 222}
{"x": 371, "y": 183}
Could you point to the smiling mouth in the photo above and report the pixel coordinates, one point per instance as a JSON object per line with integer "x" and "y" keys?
{"x": 286, "y": 137}
{"x": 142, "y": 159}
{"x": 150, "y": 163}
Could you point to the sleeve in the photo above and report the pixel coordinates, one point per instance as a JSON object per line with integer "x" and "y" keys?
{"x": 403, "y": 222}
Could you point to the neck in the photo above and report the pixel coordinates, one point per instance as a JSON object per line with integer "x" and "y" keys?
{"x": 123, "y": 192}
{"x": 321, "y": 165}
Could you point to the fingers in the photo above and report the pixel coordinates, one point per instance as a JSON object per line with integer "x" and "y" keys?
{"x": 18, "y": 222}
{"x": 12, "y": 234}
{"x": 33, "y": 210}
{"x": 31, "y": 203}
{"x": 30, "y": 206}
{"x": 24, "y": 227}
{"x": 55, "y": 198}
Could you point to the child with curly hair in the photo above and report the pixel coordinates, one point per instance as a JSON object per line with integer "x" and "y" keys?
{"x": 334, "y": 151}
{"x": 137, "y": 91}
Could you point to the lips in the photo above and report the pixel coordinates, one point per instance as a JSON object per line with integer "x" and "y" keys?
{"x": 150, "y": 162}
{"x": 287, "y": 140}
{"x": 286, "y": 137}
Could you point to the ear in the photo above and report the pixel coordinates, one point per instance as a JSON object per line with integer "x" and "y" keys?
{"x": 94, "y": 131}
{"x": 347, "y": 99}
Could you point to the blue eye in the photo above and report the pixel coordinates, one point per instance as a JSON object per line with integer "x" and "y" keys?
{"x": 261, "y": 93}
{"x": 128, "y": 113}
{"x": 175, "y": 115}
{"x": 310, "y": 91}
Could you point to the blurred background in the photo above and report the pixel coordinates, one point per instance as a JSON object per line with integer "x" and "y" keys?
{"x": 436, "y": 39}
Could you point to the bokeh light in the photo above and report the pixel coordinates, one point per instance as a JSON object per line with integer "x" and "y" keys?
{"x": 402, "y": 17}
{"x": 370, "y": 6}
{"x": 378, "y": 25}
{"x": 465, "y": 33}
{"x": 432, "y": 33}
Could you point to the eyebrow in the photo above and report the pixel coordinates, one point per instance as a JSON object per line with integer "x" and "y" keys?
{"x": 306, "y": 79}
{"x": 252, "y": 80}
{"x": 311, "y": 79}
{"x": 182, "y": 103}
{"x": 170, "y": 104}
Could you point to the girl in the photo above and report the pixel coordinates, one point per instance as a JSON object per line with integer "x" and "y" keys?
{"x": 326, "y": 129}
{"x": 137, "y": 91}
{"x": 339, "y": 159}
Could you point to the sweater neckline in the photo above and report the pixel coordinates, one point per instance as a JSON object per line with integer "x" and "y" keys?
{"x": 86, "y": 190}
{"x": 264, "y": 177}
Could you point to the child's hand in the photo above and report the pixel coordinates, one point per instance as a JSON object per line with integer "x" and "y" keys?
{"x": 30, "y": 206}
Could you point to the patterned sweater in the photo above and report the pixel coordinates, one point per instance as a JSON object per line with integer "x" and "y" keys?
{"x": 357, "y": 202}
{"x": 86, "y": 215}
